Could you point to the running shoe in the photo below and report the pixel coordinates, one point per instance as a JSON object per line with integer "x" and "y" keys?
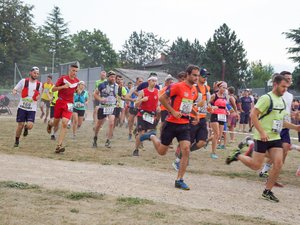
{"x": 233, "y": 156}
{"x": 16, "y": 144}
{"x": 264, "y": 174}
{"x": 53, "y": 137}
{"x": 268, "y": 195}
{"x": 129, "y": 137}
{"x": 181, "y": 185}
{"x": 68, "y": 126}
{"x": 214, "y": 156}
{"x": 244, "y": 142}
{"x": 176, "y": 165}
{"x": 25, "y": 133}
{"x": 135, "y": 152}
{"x": 108, "y": 143}
{"x": 146, "y": 136}
{"x": 49, "y": 128}
{"x": 59, "y": 149}
{"x": 95, "y": 142}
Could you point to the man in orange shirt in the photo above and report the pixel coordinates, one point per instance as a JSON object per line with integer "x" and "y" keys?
{"x": 183, "y": 95}
{"x": 199, "y": 132}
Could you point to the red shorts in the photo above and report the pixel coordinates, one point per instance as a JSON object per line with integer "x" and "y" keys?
{"x": 61, "y": 110}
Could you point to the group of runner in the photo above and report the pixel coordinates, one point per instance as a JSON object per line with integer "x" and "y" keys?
{"x": 183, "y": 108}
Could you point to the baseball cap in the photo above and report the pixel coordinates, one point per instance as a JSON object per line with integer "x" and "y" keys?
{"x": 35, "y": 68}
{"x": 81, "y": 82}
{"x": 111, "y": 73}
{"x": 169, "y": 77}
{"x": 204, "y": 72}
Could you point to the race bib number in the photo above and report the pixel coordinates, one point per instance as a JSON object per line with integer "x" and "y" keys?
{"x": 70, "y": 107}
{"x": 222, "y": 117}
{"x": 277, "y": 126}
{"x": 148, "y": 117}
{"x": 79, "y": 105}
{"x": 108, "y": 110}
{"x": 203, "y": 109}
{"x": 186, "y": 106}
{"x": 26, "y": 103}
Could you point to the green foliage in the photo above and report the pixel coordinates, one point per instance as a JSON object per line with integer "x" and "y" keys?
{"x": 129, "y": 201}
{"x": 259, "y": 74}
{"x": 141, "y": 48}
{"x": 17, "y": 185}
{"x": 294, "y": 35}
{"x": 16, "y": 30}
{"x": 225, "y": 46}
{"x": 182, "y": 53}
{"x": 95, "y": 49}
{"x": 296, "y": 78}
{"x": 81, "y": 195}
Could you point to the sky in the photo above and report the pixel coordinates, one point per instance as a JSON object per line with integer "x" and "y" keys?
{"x": 257, "y": 23}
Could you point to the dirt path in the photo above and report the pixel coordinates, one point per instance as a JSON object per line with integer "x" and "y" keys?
{"x": 233, "y": 196}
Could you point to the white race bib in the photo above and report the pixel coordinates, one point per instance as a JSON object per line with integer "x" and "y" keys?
{"x": 26, "y": 104}
{"x": 221, "y": 117}
{"x": 70, "y": 107}
{"x": 148, "y": 117}
{"x": 277, "y": 126}
{"x": 108, "y": 110}
{"x": 79, "y": 105}
{"x": 186, "y": 106}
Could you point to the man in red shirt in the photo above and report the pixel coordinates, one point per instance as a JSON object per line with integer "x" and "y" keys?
{"x": 183, "y": 95}
{"x": 147, "y": 103}
{"x": 66, "y": 86}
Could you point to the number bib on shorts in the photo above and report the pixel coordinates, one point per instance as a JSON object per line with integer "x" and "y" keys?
{"x": 26, "y": 104}
{"x": 221, "y": 117}
{"x": 79, "y": 105}
{"x": 148, "y": 117}
{"x": 70, "y": 107}
{"x": 108, "y": 110}
{"x": 277, "y": 126}
{"x": 186, "y": 106}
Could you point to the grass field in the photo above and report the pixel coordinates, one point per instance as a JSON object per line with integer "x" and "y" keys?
{"x": 25, "y": 203}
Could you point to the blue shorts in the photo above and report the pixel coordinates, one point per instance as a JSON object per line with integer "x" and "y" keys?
{"x": 285, "y": 136}
{"x": 25, "y": 116}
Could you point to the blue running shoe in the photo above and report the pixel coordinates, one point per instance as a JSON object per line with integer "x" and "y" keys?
{"x": 146, "y": 136}
{"x": 181, "y": 185}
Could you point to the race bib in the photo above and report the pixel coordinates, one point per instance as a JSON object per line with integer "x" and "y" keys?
{"x": 148, "y": 117}
{"x": 26, "y": 104}
{"x": 79, "y": 105}
{"x": 111, "y": 100}
{"x": 108, "y": 110}
{"x": 222, "y": 117}
{"x": 70, "y": 107}
{"x": 186, "y": 106}
{"x": 203, "y": 109}
{"x": 277, "y": 126}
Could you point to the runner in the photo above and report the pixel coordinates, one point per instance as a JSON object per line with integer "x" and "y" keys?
{"x": 106, "y": 94}
{"x": 234, "y": 116}
{"x": 30, "y": 89}
{"x": 267, "y": 134}
{"x": 122, "y": 92}
{"x": 81, "y": 98}
{"x": 177, "y": 124}
{"x": 246, "y": 104}
{"x": 199, "y": 132}
{"x": 147, "y": 103}
{"x": 54, "y": 95}
{"x": 95, "y": 102}
{"x": 131, "y": 97}
{"x": 46, "y": 97}
{"x": 66, "y": 86}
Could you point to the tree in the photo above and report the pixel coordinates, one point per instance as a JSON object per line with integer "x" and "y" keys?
{"x": 55, "y": 34}
{"x": 294, "y": 35}
{"x": 95, "y": 49}
{"x": 141, "y": 48}
{"x": 259, "y": 74}
{"x": 224, "y": 53}
{"x": 182, "y": 53}
{"x": 16, "y": 31}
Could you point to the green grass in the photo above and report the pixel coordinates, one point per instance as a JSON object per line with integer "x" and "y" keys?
{"x": 129, "y": 201}
{"x": 78, "y": 195}
{"x": 18, "y": 185}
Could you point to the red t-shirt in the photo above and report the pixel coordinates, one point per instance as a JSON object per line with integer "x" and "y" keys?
{"x": 151, "y": 104}
{"x": 182, "y": 100}
{"x": 67, "y": 94}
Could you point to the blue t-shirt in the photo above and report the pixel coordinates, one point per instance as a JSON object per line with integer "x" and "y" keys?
{"x": 246, "y": 104}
